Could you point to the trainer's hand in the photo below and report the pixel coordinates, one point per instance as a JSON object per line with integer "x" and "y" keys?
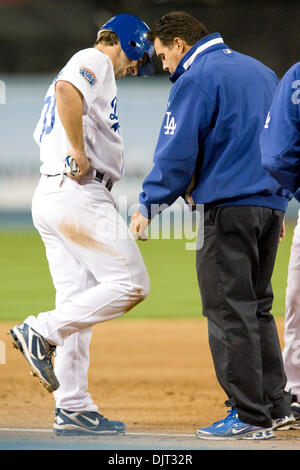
{"x": 282, "y": 233}
{"x": 138, "y": 225}
{"x": 82, "y": 161}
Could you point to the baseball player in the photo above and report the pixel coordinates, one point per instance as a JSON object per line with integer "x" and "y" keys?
{"x": 97, "y": 269}
{"x": 280, "y": 146}
{"x": 208, "y": 152}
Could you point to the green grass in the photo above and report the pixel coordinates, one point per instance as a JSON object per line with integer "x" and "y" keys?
{"x": 281, "y": 269}
{"x": 26, "y": 286}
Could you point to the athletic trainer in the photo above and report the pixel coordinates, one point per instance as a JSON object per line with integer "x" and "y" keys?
{"x": 208, "y": 152}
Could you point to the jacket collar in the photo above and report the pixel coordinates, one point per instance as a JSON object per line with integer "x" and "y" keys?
{"x": 209, "y": 43}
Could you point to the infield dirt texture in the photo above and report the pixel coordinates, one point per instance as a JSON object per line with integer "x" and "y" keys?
{"x": 151, "y": 369}
{"x": 157, "y": 376}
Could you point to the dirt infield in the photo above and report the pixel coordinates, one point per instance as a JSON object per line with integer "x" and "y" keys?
{"x": 156, "y": 375}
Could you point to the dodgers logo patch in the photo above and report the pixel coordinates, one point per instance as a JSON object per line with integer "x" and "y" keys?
{"x": 88, "y": 75}
{"x": 170, "y": 124}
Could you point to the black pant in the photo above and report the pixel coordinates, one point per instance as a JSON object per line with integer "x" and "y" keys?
{"x": 234, "y": 269}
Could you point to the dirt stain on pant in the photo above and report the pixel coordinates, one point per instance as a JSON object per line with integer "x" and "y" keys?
{"x": 79, "y": 234}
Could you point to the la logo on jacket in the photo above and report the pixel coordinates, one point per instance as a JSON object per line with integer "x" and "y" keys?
{"x": 170, "y": 124}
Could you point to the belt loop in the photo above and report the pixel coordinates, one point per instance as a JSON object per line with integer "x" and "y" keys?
{"x": 109, "y": 185}
{"x": 100, "y": 177}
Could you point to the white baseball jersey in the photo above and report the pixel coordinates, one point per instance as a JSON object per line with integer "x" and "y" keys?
{"x": 92, "y": 73}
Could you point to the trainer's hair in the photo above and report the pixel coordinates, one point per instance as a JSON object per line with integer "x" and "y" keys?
{"x": 177, "y": 24}
{"x": 107, "y": 37}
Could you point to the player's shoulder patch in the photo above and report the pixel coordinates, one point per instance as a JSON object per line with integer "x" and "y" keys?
{"x": 89, "y": 76}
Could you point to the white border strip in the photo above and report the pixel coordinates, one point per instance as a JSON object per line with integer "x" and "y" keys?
{"x": 154, "y": 434}
{"x": 126, "y": 433}
{"x": 202, "y": 48}
{"x": 24, "y": 430}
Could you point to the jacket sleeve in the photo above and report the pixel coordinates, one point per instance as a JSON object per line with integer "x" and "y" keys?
{"x": 186, "y": 123}
{"x": 280, "y": 138}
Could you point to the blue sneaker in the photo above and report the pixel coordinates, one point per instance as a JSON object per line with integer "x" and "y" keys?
{"x": 37, "y": 352}
{"x": 74, "y": 423}
{"x": 232, "y": 427}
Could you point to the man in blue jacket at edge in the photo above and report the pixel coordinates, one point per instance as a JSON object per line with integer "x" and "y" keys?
{"x": 280, "y": 148}
{"x": 208, "y": 152}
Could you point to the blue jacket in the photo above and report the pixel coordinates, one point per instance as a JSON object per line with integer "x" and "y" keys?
{"x": 209, "y": 138}
{"x": 280, "y": 139}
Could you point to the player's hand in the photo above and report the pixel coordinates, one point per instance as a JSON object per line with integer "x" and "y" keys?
{"x": 83, "y": 163}
{"x": 138, "y": 225}
{"x": 282, "y": 233}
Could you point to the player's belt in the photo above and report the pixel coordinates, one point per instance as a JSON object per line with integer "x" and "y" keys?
{"x": 98, "y": 177}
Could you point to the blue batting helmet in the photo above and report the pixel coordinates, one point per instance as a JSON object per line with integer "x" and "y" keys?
{"x": 132, "y": 34}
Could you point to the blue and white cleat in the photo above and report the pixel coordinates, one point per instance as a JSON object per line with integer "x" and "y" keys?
{"x": 292, "y": 424}
{"x": 232, "y": 427}
{"x": 295, "y": 407}
{"x": 37, "y": 352}
{"x": 74, "y": 423}
{"x": 284, "y": 423}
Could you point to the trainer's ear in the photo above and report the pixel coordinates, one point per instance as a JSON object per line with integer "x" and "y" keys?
{"x": 180, "y": 45}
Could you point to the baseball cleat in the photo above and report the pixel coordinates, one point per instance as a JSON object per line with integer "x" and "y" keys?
{"x": 295, "y": 409}
{"x": 283, "y": 423}
{"x": 232, "y": 427}
{"x": 38, "y": 353}
{"x": 74, "y": 423}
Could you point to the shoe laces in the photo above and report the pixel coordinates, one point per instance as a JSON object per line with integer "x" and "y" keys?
{"x": 51, "y": 351}
{"x": 232, "y": 413}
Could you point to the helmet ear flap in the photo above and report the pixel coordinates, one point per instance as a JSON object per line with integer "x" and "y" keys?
{"x": 132, "y": 34}
{"x": 146, "y": 69}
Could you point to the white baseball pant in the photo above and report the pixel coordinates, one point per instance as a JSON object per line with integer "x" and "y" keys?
{"x": 97, "y": 270}
{"x": 291, "y": 351}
